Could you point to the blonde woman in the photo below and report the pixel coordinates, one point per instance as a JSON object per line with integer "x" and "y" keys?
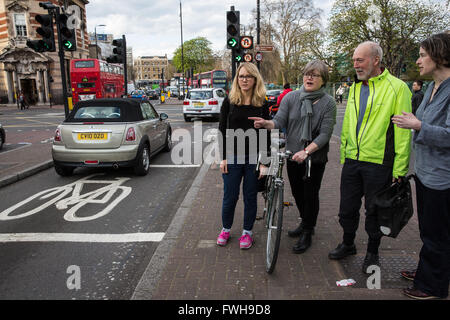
{"x": 246, "y": 99}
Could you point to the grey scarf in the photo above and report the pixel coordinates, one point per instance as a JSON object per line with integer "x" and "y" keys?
{"x": 306, "y": 112}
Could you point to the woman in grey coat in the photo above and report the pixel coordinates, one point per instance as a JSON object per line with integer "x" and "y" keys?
{"x": 309, "y": 115}
{"x": 432, "y": 165}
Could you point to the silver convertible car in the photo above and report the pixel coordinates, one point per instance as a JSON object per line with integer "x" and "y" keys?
{"x": 110, "y": 133}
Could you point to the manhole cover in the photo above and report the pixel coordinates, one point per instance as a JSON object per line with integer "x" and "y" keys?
{"x": 390, "y": 271}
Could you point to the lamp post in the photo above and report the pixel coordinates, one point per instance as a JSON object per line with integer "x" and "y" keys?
{"x": 96, "y": 45}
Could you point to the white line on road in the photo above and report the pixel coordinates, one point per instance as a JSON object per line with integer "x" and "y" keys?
{"x": 175, "y": 165}
{"x": 81, "y": 237}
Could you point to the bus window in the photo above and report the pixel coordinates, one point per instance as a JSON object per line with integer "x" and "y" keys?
{"x": 84, "y": 64}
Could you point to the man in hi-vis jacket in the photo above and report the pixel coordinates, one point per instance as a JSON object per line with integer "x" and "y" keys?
{"x": 374, "y": 151}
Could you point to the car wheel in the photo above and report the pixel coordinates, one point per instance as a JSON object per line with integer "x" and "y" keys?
{"x": 64, "y": 171}
{"x": 143, "y": 162}
{"x": 168, "y": 145}
{"x": 187, "y": 119}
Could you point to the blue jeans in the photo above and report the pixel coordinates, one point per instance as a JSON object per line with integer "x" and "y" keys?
{"x": 232, "y": 183}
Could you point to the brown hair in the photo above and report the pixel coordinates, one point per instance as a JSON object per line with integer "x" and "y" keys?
{"x": 438, "y": 47}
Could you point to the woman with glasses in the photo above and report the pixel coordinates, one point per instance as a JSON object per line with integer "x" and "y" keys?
{"x": 246, "y": 99}
{"x": 309, "y": 114}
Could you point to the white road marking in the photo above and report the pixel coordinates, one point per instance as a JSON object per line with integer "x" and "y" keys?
{"x": 175, "y": 165}
{"x": 81, "y": 237}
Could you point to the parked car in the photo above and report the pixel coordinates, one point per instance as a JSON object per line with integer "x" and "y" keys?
{"x": 152, "y": 95}
{"x": 2, "y": 136}
{"x": 139, "y": 94}
{"x": 272, "y": 97}
{"x": 174, "y": 92}
{"x": 203, "y": 103}
{"x": 110, "y": 133}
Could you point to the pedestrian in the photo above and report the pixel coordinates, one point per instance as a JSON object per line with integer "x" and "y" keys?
{"x": 309, "y": 114}
{"x": 374, "y": 152}
{"x": 246, "y": 99}
{"x": 22, "y": 101}
{"x": 287, "y": 89}
{"x": 417, "y": 96}
{"x": 431, "y": 141}
{"x": 340, "y": 93}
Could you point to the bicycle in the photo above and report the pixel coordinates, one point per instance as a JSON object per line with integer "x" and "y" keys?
{"x": 273, "y": 206}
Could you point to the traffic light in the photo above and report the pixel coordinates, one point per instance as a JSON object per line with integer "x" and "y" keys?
{"x": 119, "y": 52}
{"x": 46, "y": 31}
{"x": 68, "y": 36}
{"x": 404, "y": 68}
{"x": 239, "y": 55}
{"x": 233, "y": 29}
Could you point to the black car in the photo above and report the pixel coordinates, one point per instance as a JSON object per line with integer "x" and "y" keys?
{"x": 2, "y": 136}
{"x": 272, "y": 96}
{"x": 152, "y": 95}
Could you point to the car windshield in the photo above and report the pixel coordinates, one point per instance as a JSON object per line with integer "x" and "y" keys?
{"x": 200, "y": 95}
{"x": 97, "y": 112}
{"x": 273, "y": 92}
{"x": 137, "y": 92}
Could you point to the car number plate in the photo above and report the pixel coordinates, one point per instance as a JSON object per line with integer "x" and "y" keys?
{"x": 199, "y": 104}
{"x": 92, "y": 136}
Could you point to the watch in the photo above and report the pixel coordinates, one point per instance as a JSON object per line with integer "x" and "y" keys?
{"x": 306, "y": 151}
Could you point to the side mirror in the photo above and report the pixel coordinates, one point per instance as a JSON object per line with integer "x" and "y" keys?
{"x": 163, "y": 116}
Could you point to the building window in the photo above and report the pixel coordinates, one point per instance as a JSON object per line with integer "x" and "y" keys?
{"x": 21, "y": 25}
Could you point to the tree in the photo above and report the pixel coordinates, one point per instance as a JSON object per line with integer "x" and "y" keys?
{"x": 397, "y": 25}
{"x": 290, "y": 23}
{"x": 197, "y": 54}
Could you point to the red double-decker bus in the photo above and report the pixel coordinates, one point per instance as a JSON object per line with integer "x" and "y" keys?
{"x": 210, "y": 79}
{"x": 93, "y": 78}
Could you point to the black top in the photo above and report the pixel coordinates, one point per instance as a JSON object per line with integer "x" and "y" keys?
{"x": 238, "y": 119}
{"x": 416, "y": 100}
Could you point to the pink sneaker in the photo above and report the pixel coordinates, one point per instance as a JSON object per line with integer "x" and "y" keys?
{"x": 245, "y": 242}
{"x": 223, "y": 238}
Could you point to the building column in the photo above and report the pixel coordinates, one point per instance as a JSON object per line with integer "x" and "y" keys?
{"x": 17, "y": 86}
{"x": 40, "y": 87}
{"x": 46, "y": 89}
{"x": 10, "y": 86}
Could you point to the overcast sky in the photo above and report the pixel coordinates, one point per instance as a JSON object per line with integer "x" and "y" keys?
{"x": 153, "y": 27}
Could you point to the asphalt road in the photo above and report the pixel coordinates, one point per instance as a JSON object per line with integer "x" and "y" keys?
{"x": 70, "y": 246}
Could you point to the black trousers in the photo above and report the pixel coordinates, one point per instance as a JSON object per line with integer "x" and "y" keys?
{"x": 433, "y": 212}
{"x": 306, "y": 192}
{"x": 360, "y": 179}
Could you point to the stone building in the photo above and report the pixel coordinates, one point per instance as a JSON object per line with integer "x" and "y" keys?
{"x": 38, "y": 75}
{"x": 150, "y": 67}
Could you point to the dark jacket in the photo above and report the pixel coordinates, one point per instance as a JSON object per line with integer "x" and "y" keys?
{"x": 238, "y": 119}
{"x": 416, "y": 100}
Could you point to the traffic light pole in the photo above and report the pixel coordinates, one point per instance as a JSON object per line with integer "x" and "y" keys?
{"x": 62, "y": 63}
{"x": 258, "y": 28}
{"x": 125, "y": 65}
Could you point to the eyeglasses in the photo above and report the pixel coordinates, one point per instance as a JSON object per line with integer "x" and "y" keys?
{"x": 312, "y": 75}
{"x": 246, "y": 77}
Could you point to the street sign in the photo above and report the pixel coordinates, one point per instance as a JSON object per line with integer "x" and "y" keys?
{"x": 248, "y": 57}
{"x": 246, "y": 42}
{"x": 264, "y": 47}
{"x": 258, "y": 56}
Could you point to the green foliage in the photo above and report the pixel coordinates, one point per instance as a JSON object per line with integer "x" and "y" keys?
{"x": 397, "y": 25}
{"x": 197, "y": 54}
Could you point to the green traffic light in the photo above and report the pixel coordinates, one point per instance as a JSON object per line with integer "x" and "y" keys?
{"x": 238, "y": 58}
{"x": 68, "y": 44}
{"x": 232, "y": 42}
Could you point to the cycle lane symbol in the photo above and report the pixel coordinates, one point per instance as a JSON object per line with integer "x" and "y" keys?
{"x": 77, "y": 200}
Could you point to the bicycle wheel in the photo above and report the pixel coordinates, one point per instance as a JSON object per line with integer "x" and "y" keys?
{"x": 274, "y": 228}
